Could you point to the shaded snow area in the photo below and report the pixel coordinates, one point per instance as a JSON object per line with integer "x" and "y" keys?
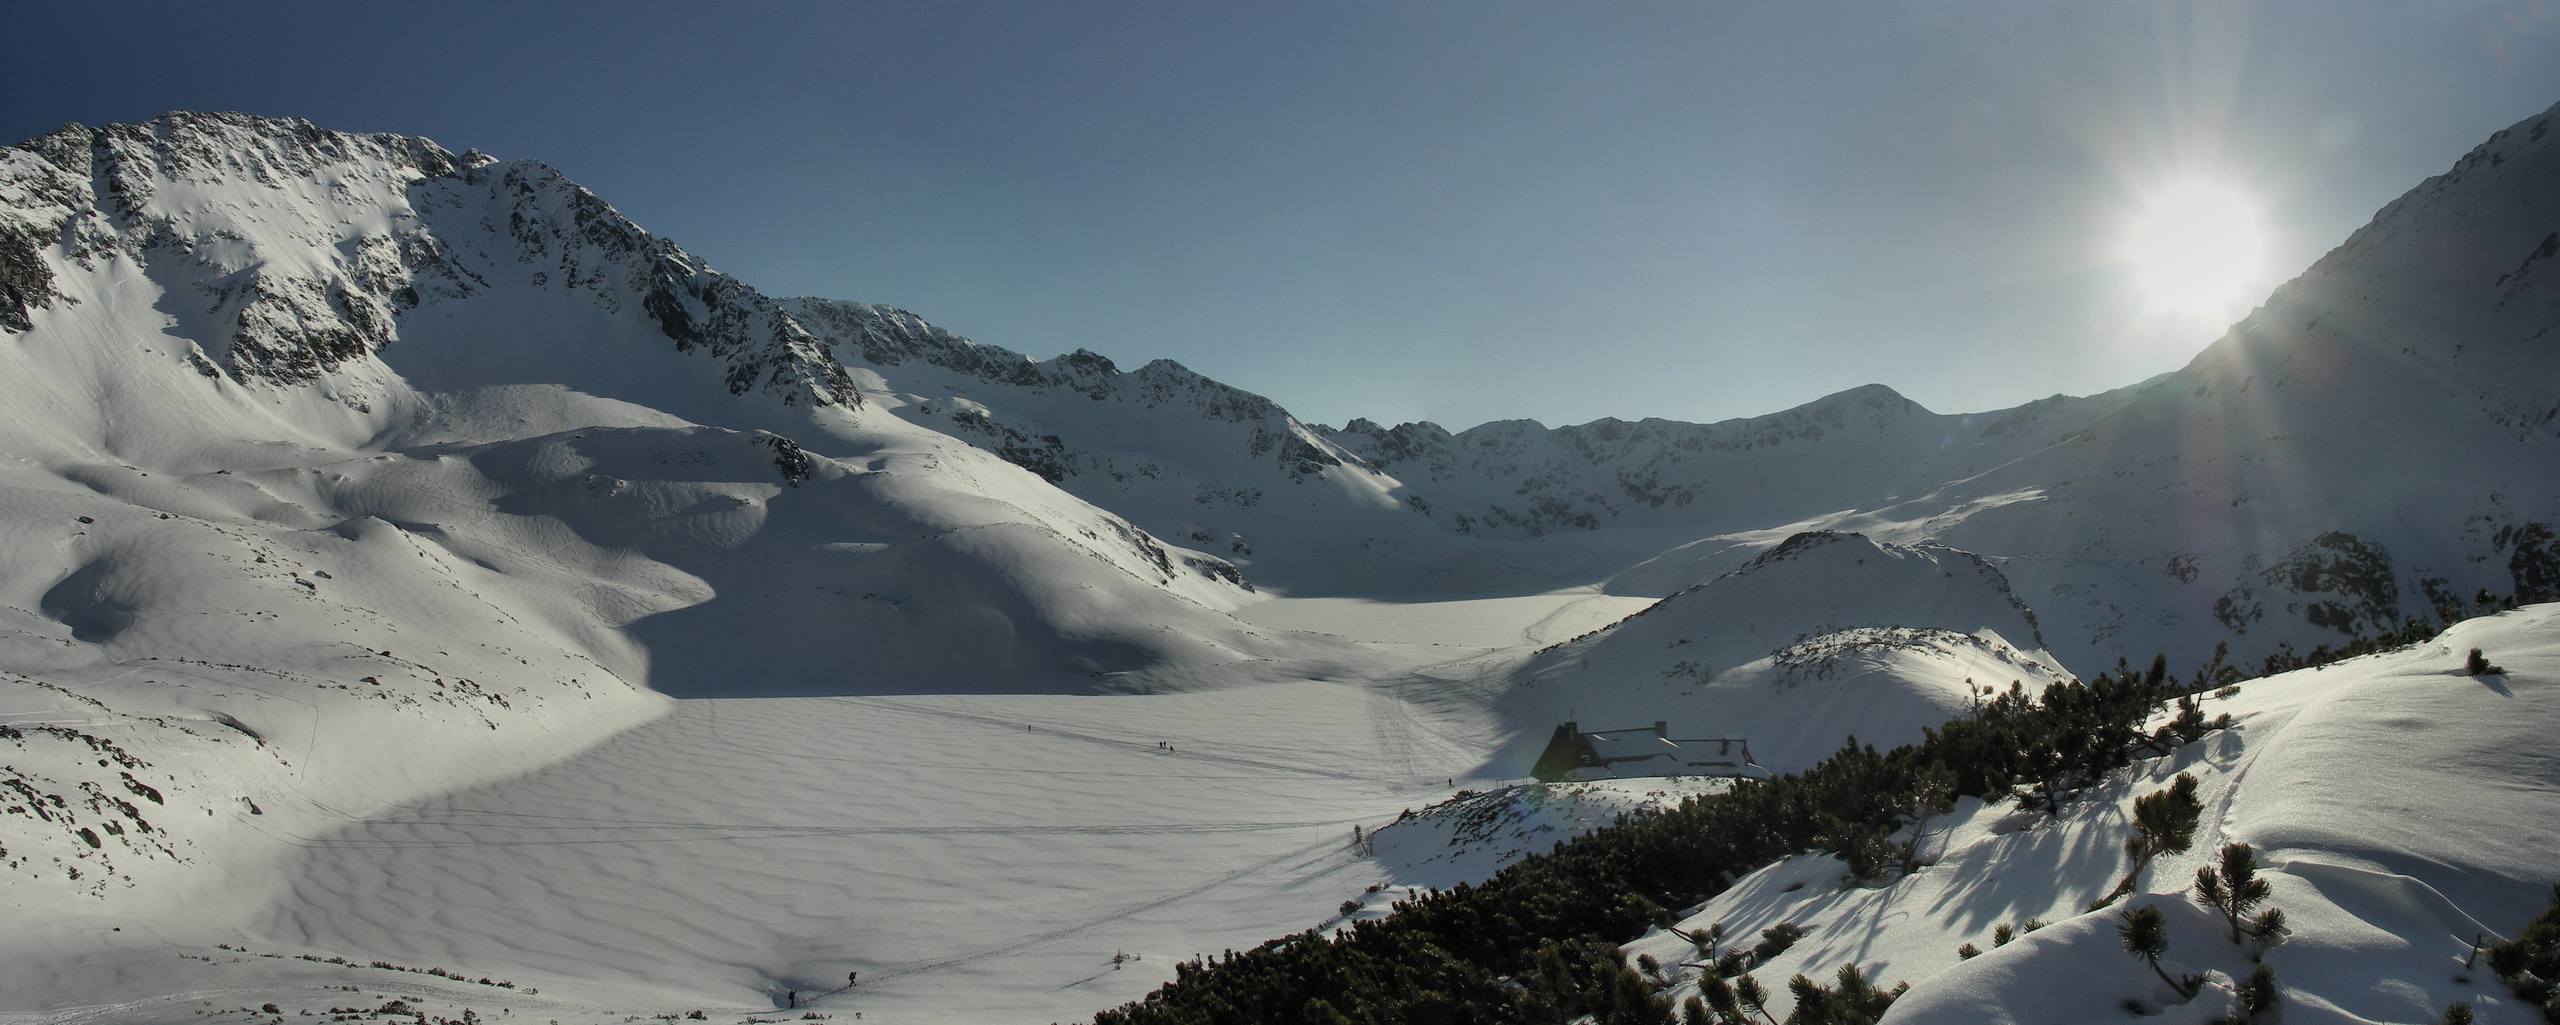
{"x": 2400, "y": 807}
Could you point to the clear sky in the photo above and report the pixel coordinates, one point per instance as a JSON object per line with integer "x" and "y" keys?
{"x": 1456, "y": 211}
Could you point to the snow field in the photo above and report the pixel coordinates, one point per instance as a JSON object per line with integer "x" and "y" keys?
{"x": 977, "y": 859}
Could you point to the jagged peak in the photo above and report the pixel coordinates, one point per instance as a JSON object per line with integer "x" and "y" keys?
{"x": 187, "y": 141}
{"x": 306, "y": 279}
{"x": 1364, "y": 425}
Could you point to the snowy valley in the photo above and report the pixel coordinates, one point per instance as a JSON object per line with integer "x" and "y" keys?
{"x": 426, "y": 594}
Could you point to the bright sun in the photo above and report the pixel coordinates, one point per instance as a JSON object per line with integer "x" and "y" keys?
{"x": 2195, "y": 248}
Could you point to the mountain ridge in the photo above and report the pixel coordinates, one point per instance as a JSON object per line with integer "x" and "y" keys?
{"x": 1644, "y": 506}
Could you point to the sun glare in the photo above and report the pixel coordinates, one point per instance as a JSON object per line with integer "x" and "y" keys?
{"x": 2196, "y": 248}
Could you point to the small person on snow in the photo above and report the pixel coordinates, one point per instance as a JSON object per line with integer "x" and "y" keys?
{"x": 849, "y": 978}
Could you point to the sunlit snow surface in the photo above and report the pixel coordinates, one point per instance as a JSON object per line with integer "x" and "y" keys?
{"x": 976, "y": 859}
{"x": 2400, "y": 808}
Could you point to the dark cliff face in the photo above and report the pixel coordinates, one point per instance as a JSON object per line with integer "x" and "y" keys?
{"x": 26, "y": 284}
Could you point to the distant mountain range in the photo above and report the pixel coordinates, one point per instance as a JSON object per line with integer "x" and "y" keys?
{"x": 2374, "y": 440}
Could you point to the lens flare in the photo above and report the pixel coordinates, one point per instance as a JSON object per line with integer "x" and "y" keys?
{"x": 2197, "y": 248}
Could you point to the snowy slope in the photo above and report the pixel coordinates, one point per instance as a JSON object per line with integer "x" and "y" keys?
{"x": 336, "y": 469}
{"x": 1823, "y": 637}
{"x": 1192, "y": 460}
{"x": 2376, "y": 439}
{"x": 2400, "y": 807}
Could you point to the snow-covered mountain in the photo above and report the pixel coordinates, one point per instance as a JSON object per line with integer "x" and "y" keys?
{"x": 222, "y": 292}
{"x": 1194, "y": 461}
{"x": 343, "y": 475}
{"x": 337, "y": 469}
{"x": 2357, "y": 451}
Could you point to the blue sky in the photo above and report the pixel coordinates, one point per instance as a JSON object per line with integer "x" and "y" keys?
{"x": 1447, "y": 211}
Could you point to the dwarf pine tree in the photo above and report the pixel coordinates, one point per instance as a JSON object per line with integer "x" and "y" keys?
{"x": 1747, "y": 992}
{"x": 2146, "y": 936}
{"x": 1931, "y": 794}
{"x": 2268, "y": 929}
{"x": 2187, "y": 726}
{"x": 2257, "y": 997}
{"x": 1718, "y": 994}
{"x": 1320, "y": 1011}
{"x": 1849, "y": 1000}
{"x": 1705, "y": 940}
{"x": 2235, "y": 889}
{"x": 1775, "y": 940}
{"x": 2530, "y": 963}
{"x": 2163, "y": 823}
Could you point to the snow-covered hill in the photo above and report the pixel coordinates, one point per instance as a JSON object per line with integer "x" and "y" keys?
{"x": 1823, "y": 637}
{"x": 2400, "y": 807}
